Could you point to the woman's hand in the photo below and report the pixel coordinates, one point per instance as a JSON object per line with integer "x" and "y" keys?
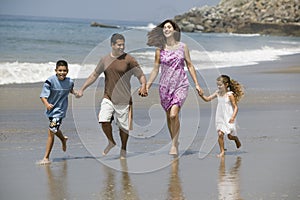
{"x": 199, "y": 89}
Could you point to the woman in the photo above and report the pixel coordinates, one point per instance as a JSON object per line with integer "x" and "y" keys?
{"x": 171, "y": 55}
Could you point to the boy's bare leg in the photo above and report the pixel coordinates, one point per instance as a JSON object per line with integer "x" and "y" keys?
{"x": 107, "y": 129}
{"x": 49, "y": 146}
{"x": 124, "y": 138}
{"x": 221, "y": 144}
{"x": 63, "y": 139}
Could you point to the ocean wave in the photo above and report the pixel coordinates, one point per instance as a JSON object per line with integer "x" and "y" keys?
{"x": 245, "y": 35}
{"x": 149, "y": 27}
{"x": 23, "y": 72}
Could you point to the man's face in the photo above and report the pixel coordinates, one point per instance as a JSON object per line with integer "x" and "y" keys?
{"x": 118, "y": 48}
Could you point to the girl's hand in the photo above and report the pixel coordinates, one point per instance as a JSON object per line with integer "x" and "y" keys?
{"x": 231, "y": 121}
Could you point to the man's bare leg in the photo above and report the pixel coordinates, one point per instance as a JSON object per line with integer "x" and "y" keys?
{"x": 107, "y": 129}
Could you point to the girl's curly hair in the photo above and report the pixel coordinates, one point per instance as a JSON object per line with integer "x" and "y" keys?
{"x": 233, "y": 85}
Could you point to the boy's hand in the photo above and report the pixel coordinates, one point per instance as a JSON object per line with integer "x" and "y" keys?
{"x": 49, "y": 106}
{"x": 74, "y": 92}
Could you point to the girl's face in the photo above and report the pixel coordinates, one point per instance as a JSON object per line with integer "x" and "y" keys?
{"x": 221, "y": 86}
{"x": 168, "y": 30}
{"x": 61, "y": 72}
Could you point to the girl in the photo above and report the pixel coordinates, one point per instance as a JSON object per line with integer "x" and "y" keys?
{"x": 229, "y": 93}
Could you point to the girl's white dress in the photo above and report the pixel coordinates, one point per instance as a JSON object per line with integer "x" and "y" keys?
{"x": 223, "y": 114}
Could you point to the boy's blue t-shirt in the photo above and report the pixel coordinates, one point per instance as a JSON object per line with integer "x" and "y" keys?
{"x": 57, "y": 91}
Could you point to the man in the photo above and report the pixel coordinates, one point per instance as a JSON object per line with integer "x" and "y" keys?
{"x": 118, "y": 67}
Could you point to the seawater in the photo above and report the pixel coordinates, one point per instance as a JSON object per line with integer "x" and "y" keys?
{"x": 30, "y": 46}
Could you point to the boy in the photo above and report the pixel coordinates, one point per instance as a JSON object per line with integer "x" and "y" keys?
{"x": 54, "y": 96}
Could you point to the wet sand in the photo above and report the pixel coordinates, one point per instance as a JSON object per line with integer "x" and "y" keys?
{"x": 266, "y": 167}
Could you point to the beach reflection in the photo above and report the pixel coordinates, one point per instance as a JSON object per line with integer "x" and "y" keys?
{"x": 229, "y": 181}
{"x": 175, "y": 190}
{"x": 57, "y": 181}
{"x": 110, "y": 190}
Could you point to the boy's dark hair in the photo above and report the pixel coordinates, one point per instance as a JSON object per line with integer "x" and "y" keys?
{"x": 61, "y": 63}
{"x": 115, "y": 37}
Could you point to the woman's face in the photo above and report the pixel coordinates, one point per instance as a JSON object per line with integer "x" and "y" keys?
{"x": 168, "y": 30}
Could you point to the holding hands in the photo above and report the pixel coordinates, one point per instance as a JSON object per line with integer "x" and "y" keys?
{"x": 143, "y": 92}
{"x": 78, "y": 94}
{"x": 199, "y": 90}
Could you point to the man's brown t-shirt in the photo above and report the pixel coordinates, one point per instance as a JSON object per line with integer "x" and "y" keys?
{"x": 118, "y": 72}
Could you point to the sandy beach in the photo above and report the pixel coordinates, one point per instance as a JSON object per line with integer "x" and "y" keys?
{"x": 265, "y": 168}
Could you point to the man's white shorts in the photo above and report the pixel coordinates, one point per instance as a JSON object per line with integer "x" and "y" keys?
{"x": 121, "y": 112}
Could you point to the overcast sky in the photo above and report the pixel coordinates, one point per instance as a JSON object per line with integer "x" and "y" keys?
{"x": 133, "y": 10}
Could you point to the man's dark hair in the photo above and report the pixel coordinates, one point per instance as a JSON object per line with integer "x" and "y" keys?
{"x": 115, "y": 37}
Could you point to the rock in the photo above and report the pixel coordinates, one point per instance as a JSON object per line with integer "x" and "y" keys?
{"x": 273, "y": 17}
{"x": 96, "y": 24}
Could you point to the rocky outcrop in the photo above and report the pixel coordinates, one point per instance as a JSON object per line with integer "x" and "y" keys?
{"x": 274, "y": 17}
{"x": 96, "y": 24}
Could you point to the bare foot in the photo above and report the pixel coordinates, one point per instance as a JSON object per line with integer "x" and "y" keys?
{"x": 108, "y": 148}
{"x": 64, "y": 143}
{"x": 45, "y": 161}
{"x": 123, "y": 154}
{"x": 173, "y": 150}
{"x": 237, "y": 142}
{"x": 221, "y": 154}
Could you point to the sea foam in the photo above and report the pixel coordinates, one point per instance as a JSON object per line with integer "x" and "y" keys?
{"x": 23, "y": 72}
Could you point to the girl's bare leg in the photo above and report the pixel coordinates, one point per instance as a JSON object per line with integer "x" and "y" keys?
{"x": 221, "y": 143}
{"x": 236, "y": 140}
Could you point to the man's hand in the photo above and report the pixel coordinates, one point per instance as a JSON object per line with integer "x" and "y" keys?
{"x": 143, "y": 92}
{"x": 79, "y": 94}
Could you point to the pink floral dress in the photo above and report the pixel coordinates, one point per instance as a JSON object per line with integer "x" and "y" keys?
{"x": 173, "y": 83}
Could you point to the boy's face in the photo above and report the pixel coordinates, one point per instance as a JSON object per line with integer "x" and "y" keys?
{"x": 61, "y": 72}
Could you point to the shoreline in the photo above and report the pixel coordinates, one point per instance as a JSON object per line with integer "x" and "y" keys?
{"x": 286, "y": 64}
